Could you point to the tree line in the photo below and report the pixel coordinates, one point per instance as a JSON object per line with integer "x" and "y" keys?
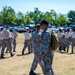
{"x": 8, "y": 16}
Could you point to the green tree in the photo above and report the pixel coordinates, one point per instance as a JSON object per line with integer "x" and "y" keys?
{"x": 71, "y": 16}
{"x": 48, "y": 17}
{"x": 8, "y": 15}
{"x": 61, "y": 20}
{"x": 36, "y": 15}
{"x": 20, "y": 18}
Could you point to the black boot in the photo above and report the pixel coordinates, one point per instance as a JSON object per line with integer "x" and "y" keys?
{"x": 29, "y": 52}
{"x": 60, "y": 48}
{"x": 32, "y": 73}
{"x": 67, "y": 50}
{"x": 64, "y": 49}
{"x": 22, "y": 53}
{"x": 12, "y": 55}
{"x": 14, "y": 51}
{"x": 2, "y": 56}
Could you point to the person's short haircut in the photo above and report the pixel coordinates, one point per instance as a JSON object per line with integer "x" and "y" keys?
{"x": 44, "y": 22}
{"x": 37, "y": 24}
{"x": 74, "y": 29}
{"x": 7, "y": 26}
{"x": 2, "y": 29}
{"x": 67, "y": 30}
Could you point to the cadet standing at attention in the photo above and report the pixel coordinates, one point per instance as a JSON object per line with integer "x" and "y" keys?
{"x": 73, "y": 40}
{"x": 67, "y": 39}
{"x": 14, "y": 36}
{"x": 61, "y": 37}
{"x": 27, "y": 42}
{"x": 6, "y": 42}
{"x": 1, "y": 36}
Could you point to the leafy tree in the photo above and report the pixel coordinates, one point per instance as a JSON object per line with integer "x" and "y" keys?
{"x": 36, "y": 15}
{"x": 20, "y": 18}
{"x": 62, "y": 20}
{"x": 71, "y": 16}
{"x": 8, "y": 15}
{"x": 48, "y": 17}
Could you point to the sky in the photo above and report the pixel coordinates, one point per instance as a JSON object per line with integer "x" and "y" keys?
{"x": 60, "y": 6}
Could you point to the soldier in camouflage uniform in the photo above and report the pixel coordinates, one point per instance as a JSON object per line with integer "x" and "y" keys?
{"x": 42, "y": 50}
{"x": 27, "y": 42}
{"x": 1, "y": 37}
{"x": 73, "y": 40}
{"x": 67, "y": 39}
{"x": 35, "y": 62}
{"x": 14, "y": 36}
{"x": 61, "y": 37}
{"x": 6, "y": 42}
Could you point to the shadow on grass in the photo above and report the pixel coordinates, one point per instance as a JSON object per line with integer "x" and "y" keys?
{"x": 66, "y": 53}
{"x": 22, "y": 54}
{"x": 5, "y": 58}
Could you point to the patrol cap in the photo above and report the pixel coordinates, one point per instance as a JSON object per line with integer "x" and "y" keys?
{"x": 67, "y": 30}
{"x": 37, "y": 25}
{"x": 7, "y": 26}
{"x": 73, "y": 29}
{"x": 44, "y": 22}
{"x": 2, "y": 29}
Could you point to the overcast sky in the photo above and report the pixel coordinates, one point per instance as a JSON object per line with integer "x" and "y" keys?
{"x": 60, "y": 6}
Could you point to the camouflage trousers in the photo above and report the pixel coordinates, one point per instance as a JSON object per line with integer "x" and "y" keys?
{"x": 0, "y": 43}
{"x": 27, "y": 44}
{"x": 62, "y": 44}
{"x": 73, "y": 45}
{"x": 67, "y": 43}
{"x": 6, "y": 43}
{"x": 14, "y": 44}
{"x": 46, "y": 65}
{"x": 48, "y": 60}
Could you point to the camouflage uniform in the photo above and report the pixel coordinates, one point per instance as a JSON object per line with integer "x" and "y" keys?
{"x": 1, "y": 39}
{"x": 47, "y": 53}
{"x": 14, "y": 35}
{"x": 67, "y": 40}
{"x": 73, "y": 41}
{"x": 62, "y": 43}
{"x": 6, "y": 42}
{"x": 35, "y": 61}
{"x": 41, "y": 42}
{"x": 27, "y": 42}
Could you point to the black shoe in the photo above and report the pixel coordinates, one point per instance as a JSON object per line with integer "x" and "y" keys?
{"x": 32, "y": 73}
{"x": 12, "y": 55}
{"x": 6, "y": 52}
{"x": 29, "y": 52}
{"x": 67, "y": 51}
{"x": 2, "y": 57}
{"x": 14, "y": 51}
{"x": 22, "y": 53}
{"x": 64, "y": 49}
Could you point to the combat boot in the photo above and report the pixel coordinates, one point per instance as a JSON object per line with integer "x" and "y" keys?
{"x": 12, "y": 55}
{"x": 22, "y": 53}
{"x": 2, "y": 57}
{"x": 32, "y": 73}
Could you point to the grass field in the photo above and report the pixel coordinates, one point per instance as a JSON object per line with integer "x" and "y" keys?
{"x": 64, "y": 63}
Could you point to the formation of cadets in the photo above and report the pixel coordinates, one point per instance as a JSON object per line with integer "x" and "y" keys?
{"x": 8, "y": 44}
{"x": 66, "y": 38}
{"x": 7, "y": 41}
